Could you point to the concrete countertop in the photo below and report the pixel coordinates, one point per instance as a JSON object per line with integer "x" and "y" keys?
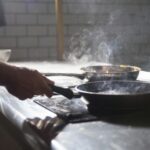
{"x": 128, "y": 131}
{"x": 51, "y": 67}
{"x": 103, "y": 134}
{"x": 18, "y": 112}
{"x": 67, "y": 67}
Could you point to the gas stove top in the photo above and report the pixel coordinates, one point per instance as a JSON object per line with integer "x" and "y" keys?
{"x": 74, "y": 110}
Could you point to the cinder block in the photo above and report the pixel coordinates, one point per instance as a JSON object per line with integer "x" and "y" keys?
{"x": 71, "y": 19}
{"x": 37, "y": 8}
{"x": 27, "y": 42}
{"x": 46, "y": 19}
{"x": 78, "y": 8}
{"x": 76, "y": 29}
{"x": 65, "y": 8}
{"x": 2, "y": 31}
{"x": 51, "y": 7}
{"x": 38, "y": 53}
{"x": 80, "y": 1}
{"x": 52, "y": 30}
{"x": 16, "y": 31}
{"x": 15, "y": 7}
{"x": 26, "y": 19}
{"x": 121, "y": 30}
{"x": 19, "y": 54}
{"x": 47, "y": 42}
{"x": 37, "y": 30}
{"x": 51, "y": 1}
{"x": 10, "y": 19}
{"x": 42, "y": 54}
{"x": 7, "y": 42}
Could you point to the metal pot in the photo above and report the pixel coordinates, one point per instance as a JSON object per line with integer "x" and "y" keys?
{"x": 111, "y": 95}
{"x": 111, "y": 72}
{"x": 116, "y": 95}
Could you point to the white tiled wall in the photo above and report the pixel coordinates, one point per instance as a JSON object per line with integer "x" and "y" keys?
{"x": 120, "y": 25}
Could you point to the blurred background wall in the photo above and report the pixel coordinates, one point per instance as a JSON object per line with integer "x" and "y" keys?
{"x": 30, "y": 29}
{"x": 114, "y": 31}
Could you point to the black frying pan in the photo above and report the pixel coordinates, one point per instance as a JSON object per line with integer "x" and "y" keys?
{"x": 68, "y": 93}
{"x": 112, "y": 95}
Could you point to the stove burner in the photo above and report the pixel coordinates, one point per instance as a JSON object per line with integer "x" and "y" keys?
{"x": 73, "y": 111}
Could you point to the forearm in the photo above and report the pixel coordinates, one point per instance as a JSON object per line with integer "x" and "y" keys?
{"x": 6, "y": 73}
{"x": 23, "y": 82}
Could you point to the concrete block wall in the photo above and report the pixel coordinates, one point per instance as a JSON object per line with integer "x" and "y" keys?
{"x": 115, "y": 31}
{"x": 30, "y": 29}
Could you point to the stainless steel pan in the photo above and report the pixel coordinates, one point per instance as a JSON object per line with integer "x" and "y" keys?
{"x": 111, "y": 72}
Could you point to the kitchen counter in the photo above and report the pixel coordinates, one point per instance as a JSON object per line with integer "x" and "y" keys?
{"x": 118, "y": 132}
{"x": 18, "y": 112}
{"x": 115, "y": 132}
{"x": 51, "y": 67}
{"x": 46, "y": 67}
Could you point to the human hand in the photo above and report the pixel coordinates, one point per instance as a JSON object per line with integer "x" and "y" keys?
{"x": 25, "y": 83}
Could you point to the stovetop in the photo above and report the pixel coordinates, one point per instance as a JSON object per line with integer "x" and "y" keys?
{"x": 74, "y": 110}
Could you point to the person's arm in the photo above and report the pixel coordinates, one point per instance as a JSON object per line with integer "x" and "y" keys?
{"x": 23, "y": 82}
{"x": 5, "y": 72}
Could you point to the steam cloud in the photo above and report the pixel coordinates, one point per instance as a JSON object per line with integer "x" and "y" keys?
{"x": 91, "y": 46}
{"x": 116, "y": 41}
{"x": 94, "y": 43}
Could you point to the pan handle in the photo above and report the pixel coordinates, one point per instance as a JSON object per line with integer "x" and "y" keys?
{"x": 63, "y": 91}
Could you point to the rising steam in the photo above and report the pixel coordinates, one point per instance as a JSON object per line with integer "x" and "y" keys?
{"x": 90, "y": 45}
{"x": 94, "y": 43}
{"x": 113, "y": 42}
